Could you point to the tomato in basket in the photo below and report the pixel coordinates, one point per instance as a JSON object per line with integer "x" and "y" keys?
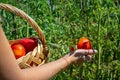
{"x": 84, "y": 43}
{"x": 18, "y": 50}
{"x": 29, "y": 43}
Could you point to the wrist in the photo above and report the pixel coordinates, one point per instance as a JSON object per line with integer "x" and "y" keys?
{"x": 68, "y": 59}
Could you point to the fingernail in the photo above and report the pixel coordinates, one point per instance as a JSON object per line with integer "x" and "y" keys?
{"x": 94, "y": 51}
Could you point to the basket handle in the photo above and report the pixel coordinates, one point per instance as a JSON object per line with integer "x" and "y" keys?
{"x": 22, "y": 14}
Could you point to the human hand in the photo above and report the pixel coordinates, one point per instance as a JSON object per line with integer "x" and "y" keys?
{"x": 80, "y": 55}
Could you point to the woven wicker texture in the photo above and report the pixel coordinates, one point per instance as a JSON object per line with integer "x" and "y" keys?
{"x": 40, "y": 53}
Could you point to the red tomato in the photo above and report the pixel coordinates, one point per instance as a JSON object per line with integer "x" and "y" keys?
{"x": 18, "y": 50}
{"x": 84, "y": 43}
{"x": 29, "y": 43}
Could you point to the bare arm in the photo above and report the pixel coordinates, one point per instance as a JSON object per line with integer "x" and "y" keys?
{"x": 9, "y": 70}
{"x": 46, "y": 71}
{"x": 8, "y": 65}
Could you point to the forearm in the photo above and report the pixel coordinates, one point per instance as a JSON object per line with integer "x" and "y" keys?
{"x": 9, "y": 70}
{"x": 46, "y": 71}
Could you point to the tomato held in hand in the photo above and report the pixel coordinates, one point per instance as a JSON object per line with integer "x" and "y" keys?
{"x": 18, "y": 50}
{"x": 84, "y": 43}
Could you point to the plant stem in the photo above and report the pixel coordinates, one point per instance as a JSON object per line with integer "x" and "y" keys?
{"x": 27, "y": 30}
{"x": 99, "y": 30}
{"x": 99, "y": 55}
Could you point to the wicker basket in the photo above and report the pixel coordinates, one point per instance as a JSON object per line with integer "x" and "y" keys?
{"x": 40, "y": 54}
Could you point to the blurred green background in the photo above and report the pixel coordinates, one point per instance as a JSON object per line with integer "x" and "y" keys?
{"x": 63, "y": 22}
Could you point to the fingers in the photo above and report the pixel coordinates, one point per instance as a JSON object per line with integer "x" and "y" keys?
{"x": 86, "y": 52}
{"x": 91, "y": 51}
{"x": 85, "y": 57}
{"x": 82, "y": 55}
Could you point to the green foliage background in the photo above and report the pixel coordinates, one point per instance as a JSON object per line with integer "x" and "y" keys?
{"x": 63, "y": 23}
